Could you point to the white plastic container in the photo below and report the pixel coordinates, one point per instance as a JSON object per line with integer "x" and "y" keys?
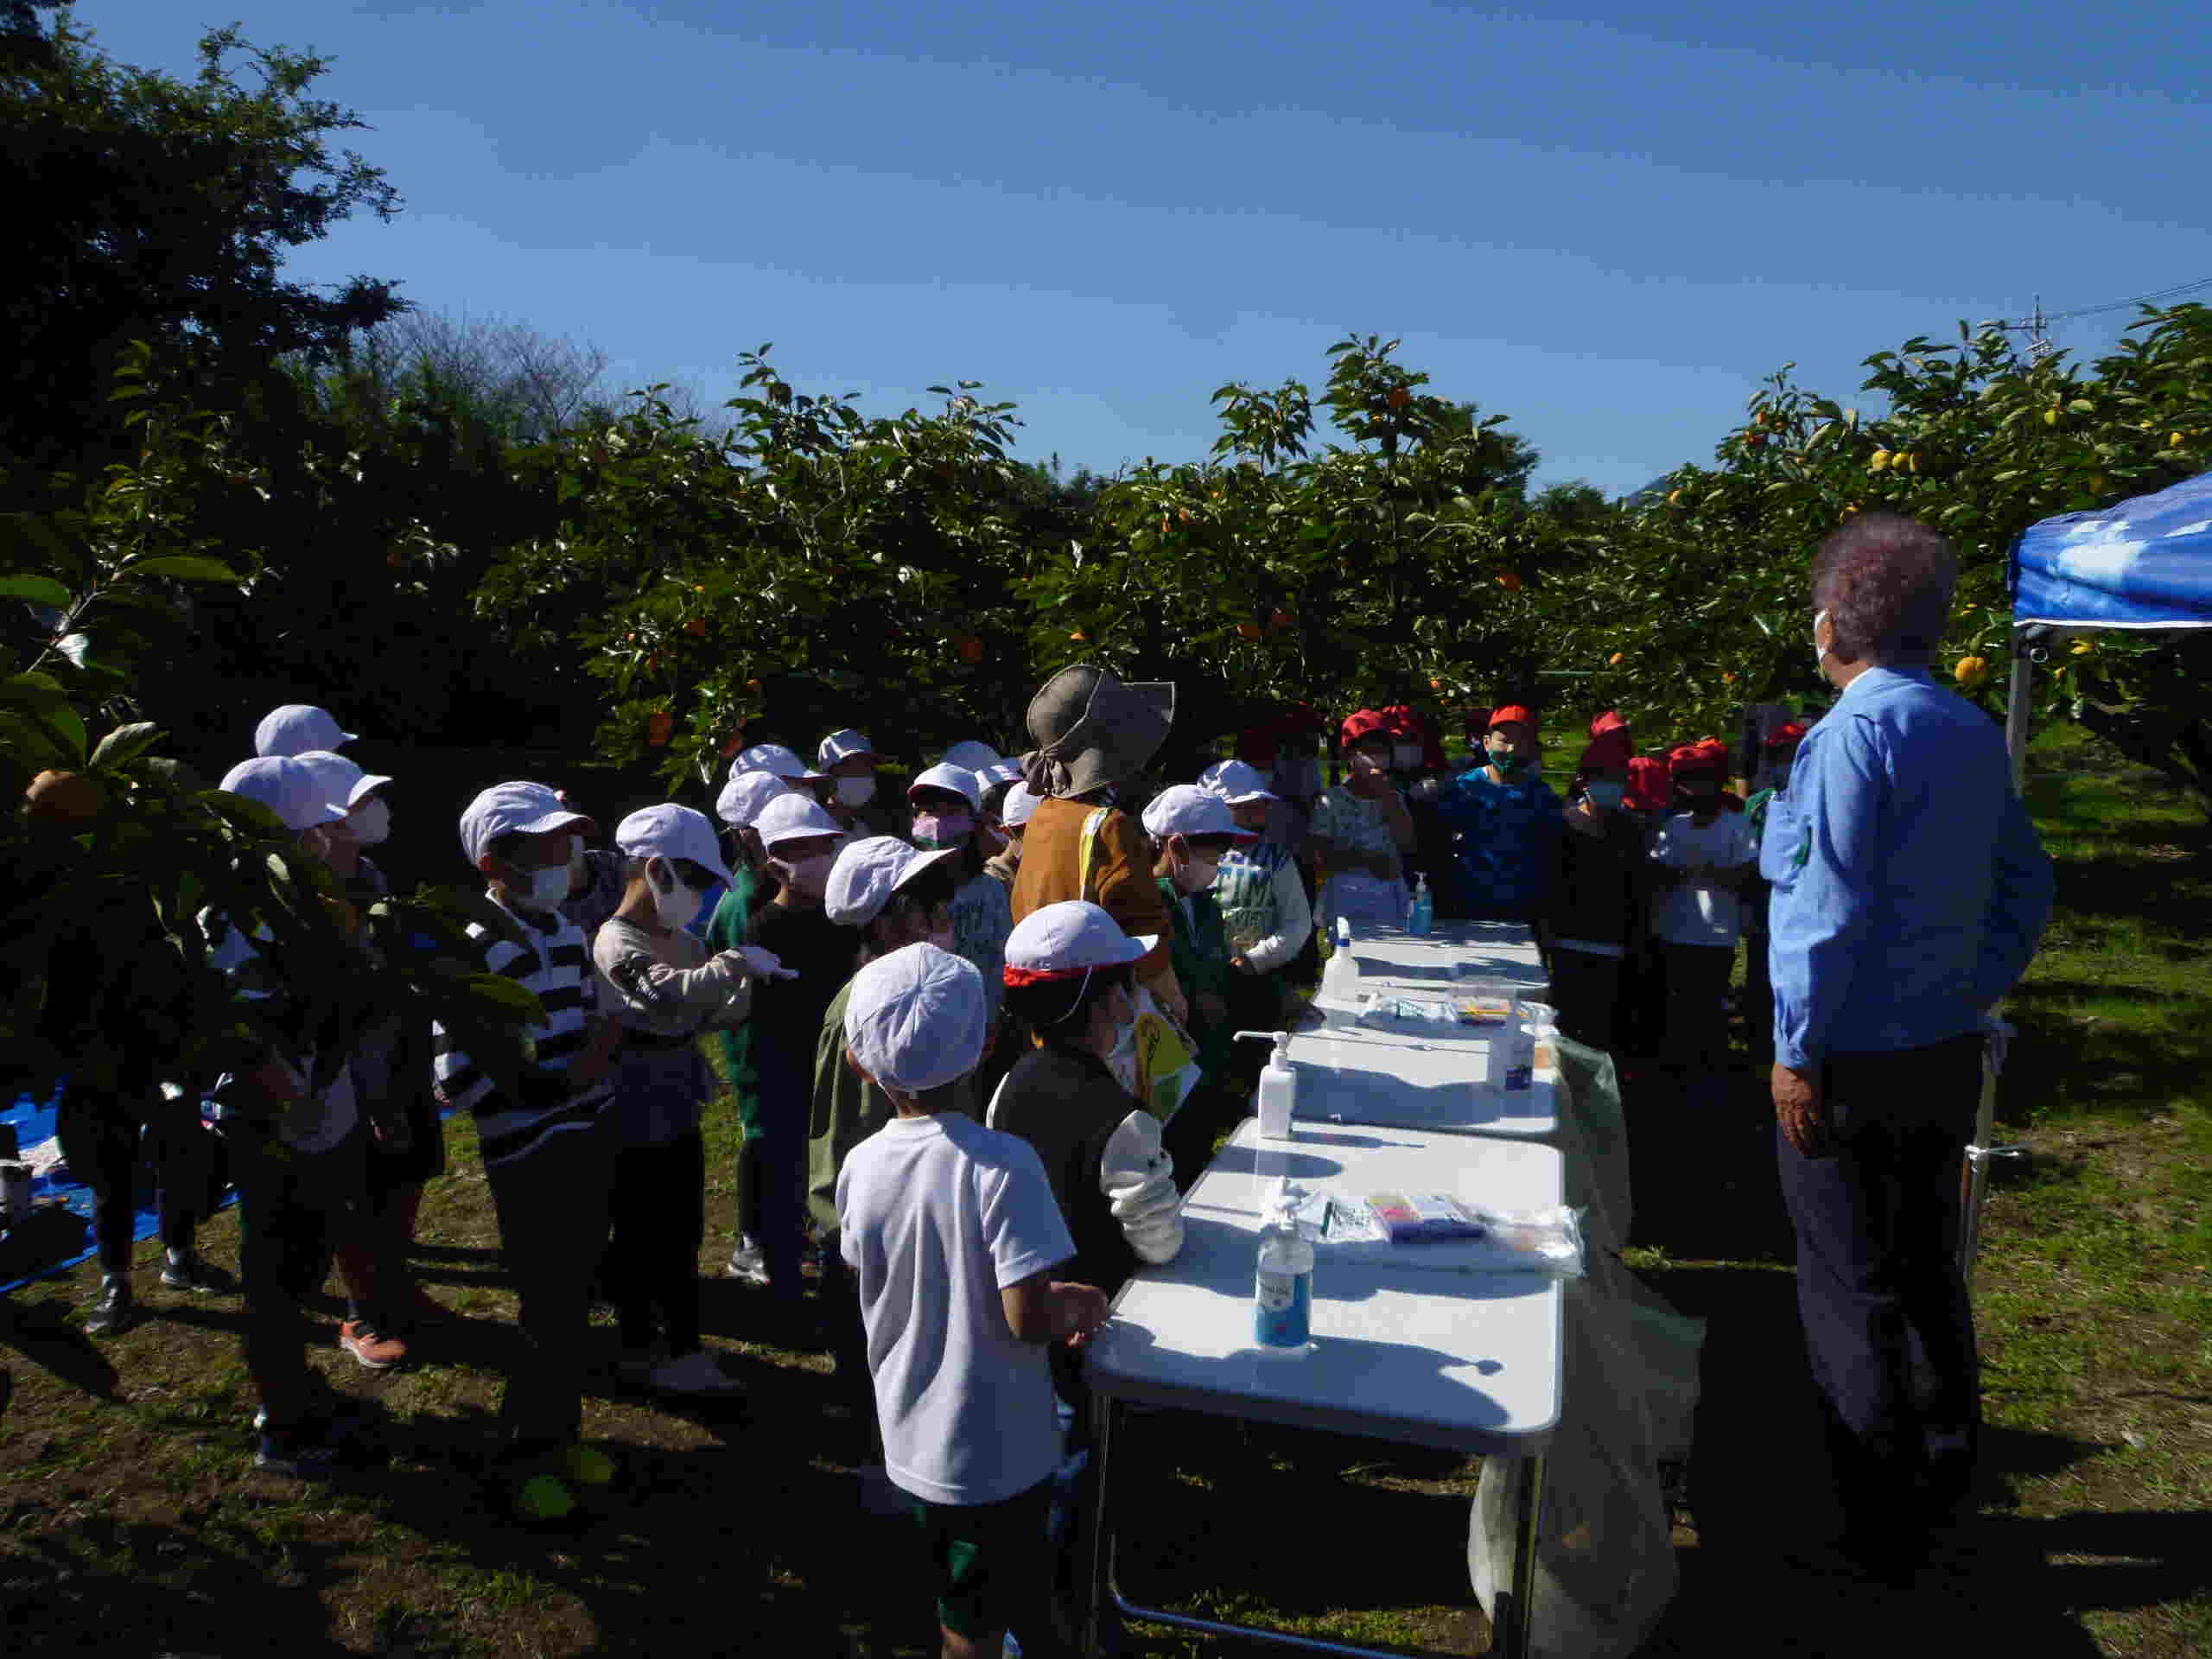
{"x": 1277, "y": 1091}
{"x": 1340, "y": 979}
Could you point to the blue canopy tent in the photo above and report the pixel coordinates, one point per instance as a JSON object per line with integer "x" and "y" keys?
{"x": 2144, "y": 565}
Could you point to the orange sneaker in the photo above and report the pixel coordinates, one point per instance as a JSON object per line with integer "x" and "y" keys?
{"x": 370, "y": 1346}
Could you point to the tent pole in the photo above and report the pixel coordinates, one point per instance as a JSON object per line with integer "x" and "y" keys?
{"x": 2016, "y": 712}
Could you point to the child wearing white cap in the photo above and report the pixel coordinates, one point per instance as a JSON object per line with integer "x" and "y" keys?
{"x": 1191, "y": 832}
{"x": 549, "y": 1152}
{"x": 298, "y": 1152}
{"x": 1263, "y": 901}
{"x": 669, "y": 991}
{"x": 946, "y": 800}
{"x": 1068, "y": 980}
{"x": 802, "y": 842}
{"x": 848, "y": 762}
{"x": 741, "y": 803}
{"x": 953, "y": 1232}
{"x": 393, "y": 1083}
{"x": 893, "y": 896}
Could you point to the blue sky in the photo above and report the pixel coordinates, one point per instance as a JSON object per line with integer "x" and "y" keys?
{"x": 1606, "y": 223}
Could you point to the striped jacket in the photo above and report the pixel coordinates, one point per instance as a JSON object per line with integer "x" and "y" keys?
{"x": 558, "y": 967}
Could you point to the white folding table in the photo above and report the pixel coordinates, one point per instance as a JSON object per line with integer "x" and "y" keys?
{"x": 1469, "y": 1362}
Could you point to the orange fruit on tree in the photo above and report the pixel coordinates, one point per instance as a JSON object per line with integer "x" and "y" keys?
{"x": 1436, "y": 685}
{"x": 1398, "y": 398}
{"x": 1078, "y": 637}
{"x": 658, "y": 728}
{"x": 1727, "y": 679}
{"x": 1247, "y": 630}
{"x": 1282, "y": 621}
{"x": 732, "y": 744}
{"x": 1511, "y": 581}
{"x": 1617, "y": 659}
{"x": 697, "y": 627}
{"x": 970, "y": 648}
{"x": 64, "y": 799}
{"x": 1971, "y": 671}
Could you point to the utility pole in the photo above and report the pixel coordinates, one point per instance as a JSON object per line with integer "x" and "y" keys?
{"x": 2039, "y": 346}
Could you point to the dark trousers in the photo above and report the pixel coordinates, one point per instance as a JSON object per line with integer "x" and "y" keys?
{"x": 1888, "y": 1324}
{"x": 552, "y": 1203}
{"x": 294, "y": 1209}
{"x": 1585, "y": 988}
{"x": 786, "y": 1116}
{"x": 659, "y": 1211}
{"x": 100, "y": 1136}
{"x": 1696, "y": 1035}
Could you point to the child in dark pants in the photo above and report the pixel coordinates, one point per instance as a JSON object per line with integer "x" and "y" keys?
{"x": 1701, "y": 854}
{"x": 671, "y": 990}
{"x": 1596, "y": 897}
{"x": 953, "y": 1233}
{"x": 802, "y": 841}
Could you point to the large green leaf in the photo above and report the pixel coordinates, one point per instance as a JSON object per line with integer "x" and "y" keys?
{"x": 184, "y": 566}
{"x": 39, "y": 590}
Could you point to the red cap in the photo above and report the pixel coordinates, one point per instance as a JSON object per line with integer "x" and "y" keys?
{"x": 1364, "y": 723}
{"x": 1647, "y": 788}
{"x": 1511, "y": 711}
{"x": 1610, "y": 750}
{"x": 1706, "y": 754}
{"x": 1612, "y": 720}
{"x": 1789, "y": 733}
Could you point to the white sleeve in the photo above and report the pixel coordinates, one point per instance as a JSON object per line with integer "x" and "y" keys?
{"x": 1138, "y": 1178}
{"x": 1022, "y": 1225}
{"x": 1294, "y": 922}
{"x": 1744, "y": 844}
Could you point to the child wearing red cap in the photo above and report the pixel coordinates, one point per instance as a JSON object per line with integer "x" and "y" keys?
{"x": 1704, "y": 856}
{"x": 1362, "y": 831}
{"x": 1597, "y": 891}
{"x": 1506, "y": 825}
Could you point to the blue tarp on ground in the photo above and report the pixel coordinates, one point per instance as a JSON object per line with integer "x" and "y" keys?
{"x": 2143, "y": 563}
{"x": 33, "y": 1124}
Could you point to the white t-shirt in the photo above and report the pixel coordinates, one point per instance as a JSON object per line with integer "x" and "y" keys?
{"x": 1700, "y": 912}
{"x": 937, "y": 1214}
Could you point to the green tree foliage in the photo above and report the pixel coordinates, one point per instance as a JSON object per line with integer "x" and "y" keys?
{"x": 163, "y": 211}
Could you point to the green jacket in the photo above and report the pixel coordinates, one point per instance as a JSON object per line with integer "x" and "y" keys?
{"x": 735, "y": 1047}
{"x": 1197, "y": 943}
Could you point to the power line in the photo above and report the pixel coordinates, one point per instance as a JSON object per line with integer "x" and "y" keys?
{"x": 2040, "y": 320}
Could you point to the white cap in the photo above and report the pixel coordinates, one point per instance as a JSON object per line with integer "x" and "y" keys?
{"x": 915, "y": 1019}
{"x": 345, "y": 780}
{"x": 971, "y": 756}
{"x": 1020, "y": 803}
{"x": 670, "y": 831}
{"x": 771, "y": 757}
{"x": 794, "y": 817}
{"x": 1005, "y": 772}
{"x": 746, "y": 793}
{"x": 295, "y": 728}
{"x": 869, "y": 872}
{"x": 841, "y": 745}
{"x": 1237, "y": 782}
{"x": 514, "y": 809}
{"x": 946, "y": 776}
{"x": 1186, "y": 810}
{"x": 1060, "y": 941}
{"x": 294, "y": 791}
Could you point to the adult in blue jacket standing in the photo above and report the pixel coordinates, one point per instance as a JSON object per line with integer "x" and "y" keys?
{"x": 1910, "y": 890}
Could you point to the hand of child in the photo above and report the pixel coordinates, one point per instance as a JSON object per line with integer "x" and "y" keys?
{"x": 1081, "y": 1309}
{"x": 762, "y": 964}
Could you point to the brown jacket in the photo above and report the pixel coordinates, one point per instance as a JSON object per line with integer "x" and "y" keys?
{"x": 1121, "y": 881}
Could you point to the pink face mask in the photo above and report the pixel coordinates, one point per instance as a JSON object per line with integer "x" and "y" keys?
{"x": 934, "y": 831}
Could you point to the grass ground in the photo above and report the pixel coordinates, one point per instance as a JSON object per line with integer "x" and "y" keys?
{"x": 129, "y": 1523}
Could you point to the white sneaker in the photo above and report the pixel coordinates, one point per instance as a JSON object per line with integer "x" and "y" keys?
{"x": 747, "y": 1263}
{"x": 697, "y": 1372}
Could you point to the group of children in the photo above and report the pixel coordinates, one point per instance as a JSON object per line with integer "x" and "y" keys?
{"x": 929, "y": 1057}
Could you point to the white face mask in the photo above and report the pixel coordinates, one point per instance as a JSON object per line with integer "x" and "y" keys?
{"x": 371, "y": 821}
{"x": 1196, "y": 875}
{"x": 675, "y": 903}
{"x": 808, "y": 875}
{"x": 548, "y": 887}
{"x": 857, "y": 792}
{"x": 1820, "y": 650}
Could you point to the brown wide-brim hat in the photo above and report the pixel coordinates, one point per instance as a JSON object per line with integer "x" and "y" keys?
{"x": 1092, "y": 730}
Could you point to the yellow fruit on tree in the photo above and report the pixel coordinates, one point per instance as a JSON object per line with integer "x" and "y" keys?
{"x": 2050, "y": 416}
{"x": 2174, "y": 440}
{"x": 1617, "y": 659}
{"x": 1674, "y": 497}
{"x": 1879, "y": 462}
{"x": 1971, "y": 671}
{"x": 2083, "y": 647}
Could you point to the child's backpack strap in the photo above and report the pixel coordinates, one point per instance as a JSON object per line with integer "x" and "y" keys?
{"x": 1087, "y": 851}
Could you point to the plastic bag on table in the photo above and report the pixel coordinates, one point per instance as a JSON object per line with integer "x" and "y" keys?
{"x": 1605, "y": 1566}
{"x": 1347, "y": 1227}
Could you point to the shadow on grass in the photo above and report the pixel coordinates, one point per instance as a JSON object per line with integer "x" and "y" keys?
{"x": 38, "y": 1331}
{"x": 1705, "y": 1184}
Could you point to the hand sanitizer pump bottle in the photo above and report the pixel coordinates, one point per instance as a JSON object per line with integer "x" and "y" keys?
{"x": 1282, "y": 1295}
{"x": 1278, "y": 1090}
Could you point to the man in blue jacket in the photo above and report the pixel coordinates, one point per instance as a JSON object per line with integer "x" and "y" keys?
{"x": 1910, "y": 890}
